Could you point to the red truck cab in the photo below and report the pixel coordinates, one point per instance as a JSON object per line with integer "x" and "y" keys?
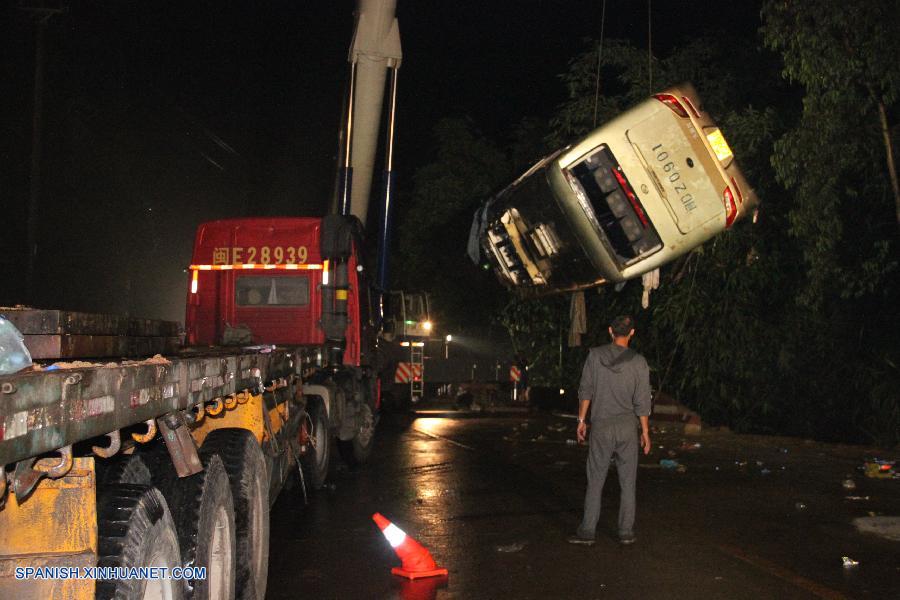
{"x": 268, "y": 275}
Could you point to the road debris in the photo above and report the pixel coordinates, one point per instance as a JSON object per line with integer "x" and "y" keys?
{"x": 671, "y": 464}
{"x": 558, "y": 427}
{"x": 849, "y": 484}
{"x": 509, "y": 548}
{"x": 800, "y": 506}
{"x": 688, "y": 447}
{"x": 849, "y": 563}
{"x": 856, "y": 498}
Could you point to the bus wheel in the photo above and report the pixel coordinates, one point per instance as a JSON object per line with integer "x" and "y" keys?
{"x": 318, "y": 453}
{"x": 203, "y": 511}
{"x": 357, "y": 451}
{"x": 135, "y": 529}
{"x": 248, "y": 475}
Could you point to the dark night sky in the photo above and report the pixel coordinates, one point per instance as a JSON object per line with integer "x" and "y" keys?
{"x": 159, "y": 115}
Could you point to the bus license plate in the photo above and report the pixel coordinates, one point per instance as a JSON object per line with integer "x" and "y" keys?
{"x": 719, "y": 145}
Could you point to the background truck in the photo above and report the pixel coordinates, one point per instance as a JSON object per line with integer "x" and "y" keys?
{"x": 153, "y": 477}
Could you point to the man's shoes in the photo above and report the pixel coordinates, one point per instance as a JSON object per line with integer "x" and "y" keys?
{"x": 582, "y": 541}
{"x": 627, "y": 539}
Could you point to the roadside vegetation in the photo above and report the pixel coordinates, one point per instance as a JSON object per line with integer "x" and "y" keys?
{"x": 789, "y": 326}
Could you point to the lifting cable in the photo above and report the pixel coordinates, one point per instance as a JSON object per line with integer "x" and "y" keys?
{"x": 599, "y": 61}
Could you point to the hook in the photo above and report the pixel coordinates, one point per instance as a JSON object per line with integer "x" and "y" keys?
{"x": 115, "y": 442}
{"x": 143, "y": 438}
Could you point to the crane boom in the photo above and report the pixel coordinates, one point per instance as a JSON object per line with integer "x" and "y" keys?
{"x": 375, "y": 49}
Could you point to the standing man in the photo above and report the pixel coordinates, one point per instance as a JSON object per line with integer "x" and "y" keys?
{"x": 616, "y": 380}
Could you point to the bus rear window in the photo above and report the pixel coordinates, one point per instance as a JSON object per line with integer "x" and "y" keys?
{"x": 255, "y": 291}
{"x": 617, "y": 208}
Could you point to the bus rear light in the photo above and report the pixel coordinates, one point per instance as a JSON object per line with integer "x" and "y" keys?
{"x": 673, "y": 103}
{"x": 737, "y": 188}
{"x": 631, "y": 198}
{"x": 194, "y": 281}
{"x": 730, "y": 208}
{"x": 691, "y": 106}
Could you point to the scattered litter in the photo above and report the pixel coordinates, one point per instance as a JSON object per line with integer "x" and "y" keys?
{"x": 741, "y": 463}
{"x": 514, "y": 547}
{"x": 571, "y": 442}
{"x": 672, "y": 464}
{"x": 759, "y": 463}
{"x": 877, "y": 468}
{"x": 849, "y": 484}
{"x": 765, "y": 472}
{"x": 558, "y": 427}
{"x": 688, "y": 447}
{"x": 783, "y": 450}
{"x": 849, "y": 563}
{"x": 800, "y": 506}
{"x": 540, "y": 438}
{"x": 856, "y": 498}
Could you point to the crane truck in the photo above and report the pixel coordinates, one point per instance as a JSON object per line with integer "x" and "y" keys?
{"x": 153, "y": 477}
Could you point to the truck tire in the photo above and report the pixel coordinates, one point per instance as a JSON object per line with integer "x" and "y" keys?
{"x": 203, "y": 512}
{"x": 135, "y": 529}
{"x": 318, "y": 456}
{"x": 249, "y": 478}
{"x": 357, "y": 451}
{"x": 123, "y": 468}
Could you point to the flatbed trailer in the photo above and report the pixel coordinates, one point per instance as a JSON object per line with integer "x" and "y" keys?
{"x": 75, "y": 441}
{"x": 44, "y": 411}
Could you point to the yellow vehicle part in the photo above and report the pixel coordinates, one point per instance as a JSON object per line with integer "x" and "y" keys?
{"x": 246, "y": 412}
{"x": 54, "y": 527}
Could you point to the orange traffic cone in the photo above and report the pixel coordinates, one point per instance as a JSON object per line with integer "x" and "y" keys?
{"x": 417, "y": 560}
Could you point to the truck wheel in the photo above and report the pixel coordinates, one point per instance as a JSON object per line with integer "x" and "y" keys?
{"x": 249, "y": 478}
{"x": 135, "y": 529}
{"x": 357, "y": 451}
{"x": 318, "y": 454}
{"x": 203, "y": 512}
{"x": 122, "y": 468}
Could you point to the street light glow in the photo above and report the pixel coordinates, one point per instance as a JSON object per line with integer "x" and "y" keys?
{"x": 449, "y": 338}
{"x": 427, "y": 325}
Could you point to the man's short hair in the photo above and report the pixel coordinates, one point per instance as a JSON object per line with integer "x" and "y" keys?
{"x": 622, "y": 325}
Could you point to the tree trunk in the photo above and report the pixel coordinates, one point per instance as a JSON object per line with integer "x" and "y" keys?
{"x": 889, "y": 152}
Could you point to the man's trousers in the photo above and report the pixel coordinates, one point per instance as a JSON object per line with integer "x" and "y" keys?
{"x": 611, "y": 437}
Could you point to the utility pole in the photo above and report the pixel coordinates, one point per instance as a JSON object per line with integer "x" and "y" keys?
{"x": 42, "y": 14}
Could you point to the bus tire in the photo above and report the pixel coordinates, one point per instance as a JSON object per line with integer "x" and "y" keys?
{"x": 316, "y": 461}
{"x": 358, "y": 450}
{"x": 203, "y": 512}
{"x": 135, "y": 529}
{"x": 248, "y": 476}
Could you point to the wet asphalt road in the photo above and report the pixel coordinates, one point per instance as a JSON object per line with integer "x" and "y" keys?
{"x": 493, "y": 498}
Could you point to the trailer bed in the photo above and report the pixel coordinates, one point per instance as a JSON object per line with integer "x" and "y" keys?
{"x": 45, "y": 410}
